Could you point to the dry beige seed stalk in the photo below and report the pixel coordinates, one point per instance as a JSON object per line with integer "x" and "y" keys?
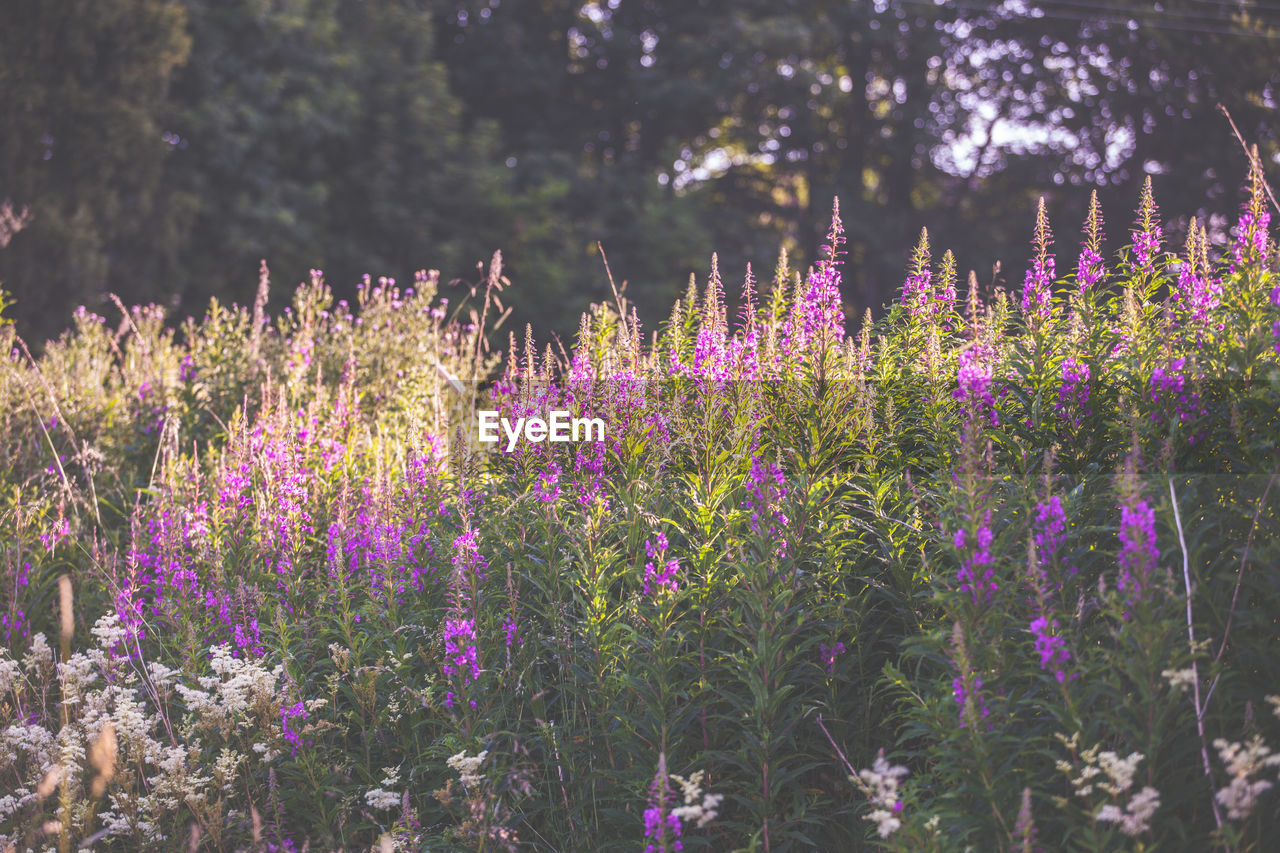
{"x": 49, "y": 782}
{"x": 64, "y": 607}
{"x": 103, "y": 757}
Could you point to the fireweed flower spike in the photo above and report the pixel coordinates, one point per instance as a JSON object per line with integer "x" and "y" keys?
{"x": 1275, "y": 328}
{"x": 917, "y": 290}
{"x": 1090, "y": 268}
{"x": 817, "y": 316}
{"x": 977, "y": 570}
{"x": 966, "y": 687}
{"x": 1255, "y": 218}
{"x": 661, "y": 825}
{"x": 1147, "y": 234}
{"x": 461, "y": 653}
{"x": 1139, "y": 553}
{"x": 973, "y": 378}
{"x": 1037, "y": 288}
{"x": 1049, "y": 532}
{"x": 1073, "y": 394}
{"x": 659, "y": 573}
{"x": 1197, "y": 292}
{"x": 944, "y": 298}
{"x": 766, "y": 491}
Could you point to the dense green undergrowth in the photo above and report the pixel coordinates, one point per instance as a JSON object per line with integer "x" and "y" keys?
{"x": 996, "y": 572}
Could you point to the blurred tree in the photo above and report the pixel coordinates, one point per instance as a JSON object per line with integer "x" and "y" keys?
{"x": 319, "y": 133}
{"x": 81, "y": 85}
{"x": 383, "y": 135}
{"x": 1113, "y": 92}
{"x": 589, "y": 121}
{"x": 747, "y": 114}
{"x": 914, "y": 112}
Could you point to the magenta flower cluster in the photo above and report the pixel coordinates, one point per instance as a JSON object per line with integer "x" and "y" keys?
{"x": 830, "y": 654}
{"x": 293, "y": 730}
{"x": 662, "y": 827}
{"x": 1251, "y": 237}
{"x": 461, "y": 657}
{"x": 1089, "y": 268}
{"x": 766, "y": 491}
{"x": 1176, "y": 400}
{"x": 1050, "y": 527}
{"x": 1197, "y": 292}
{"x": 974, "y": 378}
{"x": 1051, "y": 647}
{"x": 977, "y": 569}
{"x": 1037, "y": 287}
{"x": 1275, "y": 327}
{"x": 1138, "y": 550}
{"x": 660, "y": 572}
{"x": 962, "y": 693}
{"x": 1073, "y": 393}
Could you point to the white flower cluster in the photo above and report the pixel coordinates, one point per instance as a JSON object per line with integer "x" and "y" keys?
{"x": 1136, "y": 818}
{"x": 383, "y": 798}
{"x": 698, "y": 807}
{"x": 1179, "y": 679}
{"x": 880, "y": 784}
{"x": 1113, "y": 775}
{"x": 117, "y": 742}
{"x": 468, "y": 767}
{"x": 238, "y": 689}
{"x": 1244, "y": 761}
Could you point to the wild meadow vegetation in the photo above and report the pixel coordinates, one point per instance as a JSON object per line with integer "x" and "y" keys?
{"x": 993, "y": 571}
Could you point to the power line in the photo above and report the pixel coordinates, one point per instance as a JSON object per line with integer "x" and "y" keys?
{"x": 1092, "y": 19}
{"x": 1174, "y": 13}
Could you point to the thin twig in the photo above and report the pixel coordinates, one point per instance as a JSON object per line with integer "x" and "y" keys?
{"x": 834, "y": 746}
{"x": 1235, "y": 594}
{"x": 1254, "y": 159}
{"x": 622, "y": 311}
{"x": 1195, "y": 671}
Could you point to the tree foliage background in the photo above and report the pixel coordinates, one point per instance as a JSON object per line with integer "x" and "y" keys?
{"x": 162, "y": 147}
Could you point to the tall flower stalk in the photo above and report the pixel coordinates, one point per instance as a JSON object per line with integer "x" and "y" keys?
{"x": 1037, "y": 287}
{"x": 1090, "y": 266}
{"x": 1147, "y": 233}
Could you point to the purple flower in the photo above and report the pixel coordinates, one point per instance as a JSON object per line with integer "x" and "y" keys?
{"x": 460, "y": 655}
{"x": 1051, "y": 647}
{"x": 1251, "y": 231}
{"x": 1147, "y": 234}
{"x": 829, "y": 654}
{"x": 547, "y": 486}
{"x": 660, "y": 572}
{"x": 1170, "y": 391}
{"x": 977, "y": 569}
{"x": 917, "y": 290}
{"x": 1138, "y": 551}
{"x": 1073, "y": 394}
{"x": 766, "y": 491}
{"x": 974, "y": 379}
{"x": 1251, "y": 238}
{"x": 1037, "y": 288}
{"x": 1089, "y": 267}
{"x": 297, "y": 711}
{"x": 817, "y": 316}
{"x": 1197, "y": 293}
{"x": 661, "y": 825}
{"x": 1050, "y": 527}
{"x": 963, "y": 692}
